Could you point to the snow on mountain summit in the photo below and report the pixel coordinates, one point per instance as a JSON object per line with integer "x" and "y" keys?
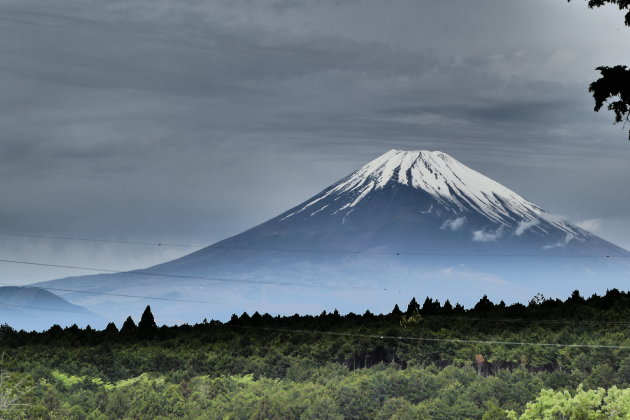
{"x": 453, "y": 185}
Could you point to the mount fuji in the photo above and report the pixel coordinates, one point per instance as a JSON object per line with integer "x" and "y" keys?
{"x": 407, "y": 223}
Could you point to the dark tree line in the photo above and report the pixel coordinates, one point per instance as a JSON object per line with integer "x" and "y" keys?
{"x": 427, "y": 360}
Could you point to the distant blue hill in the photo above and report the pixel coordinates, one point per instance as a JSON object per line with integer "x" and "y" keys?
{"x": 31, "y": 308}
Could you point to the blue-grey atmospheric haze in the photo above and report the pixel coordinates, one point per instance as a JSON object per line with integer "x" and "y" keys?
{"x": 190, "y": 121}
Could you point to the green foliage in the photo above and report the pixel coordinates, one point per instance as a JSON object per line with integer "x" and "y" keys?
{"x": 15, "y": 390}
{"x": 592, "y": 404}
{"x": 430, "y": 362}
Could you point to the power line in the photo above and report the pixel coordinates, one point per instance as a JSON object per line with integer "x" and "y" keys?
{"x": 403, "y": 253}
{"x": 315, "y": 251}
{"x": 445, "y": 318}
{"x": 391, "y": 337}
{"x": 445, "y": 340}
{"x": 525, "y": 320}
{"x": 179, "y": 276}
{"x": 41, "y": 308}
{"x": 112, "y": 241}
{"x": 114, "y": 294}
{"x": 233, "y": 280}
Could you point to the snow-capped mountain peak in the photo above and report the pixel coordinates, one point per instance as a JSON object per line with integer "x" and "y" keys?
{"x": 452, "y": 184}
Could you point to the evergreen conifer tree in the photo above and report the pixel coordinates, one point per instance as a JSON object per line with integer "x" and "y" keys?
{"x": 396, "y": 310}
{"x": 413, "y": 308}
{"x": 129, "y": 328}
{"x": 147, "y": 328}
{"x": 447, "y": 308}
{"x": 111, "y": 330}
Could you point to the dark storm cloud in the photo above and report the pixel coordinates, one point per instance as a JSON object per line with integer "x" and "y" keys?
{"x": 193, "y": 120}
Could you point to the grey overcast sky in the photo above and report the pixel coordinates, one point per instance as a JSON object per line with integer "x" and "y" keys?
{"x": 188, "y": 120}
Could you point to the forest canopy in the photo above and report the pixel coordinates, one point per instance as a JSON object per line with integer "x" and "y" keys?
{"x": 428, "y": 360}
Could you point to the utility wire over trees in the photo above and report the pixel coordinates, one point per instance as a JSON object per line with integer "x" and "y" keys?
{"x": 614, "y": 85}
{"x": 13, "y": 390}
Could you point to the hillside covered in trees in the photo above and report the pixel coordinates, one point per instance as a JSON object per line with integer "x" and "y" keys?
{"x": 493, "y": 361}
